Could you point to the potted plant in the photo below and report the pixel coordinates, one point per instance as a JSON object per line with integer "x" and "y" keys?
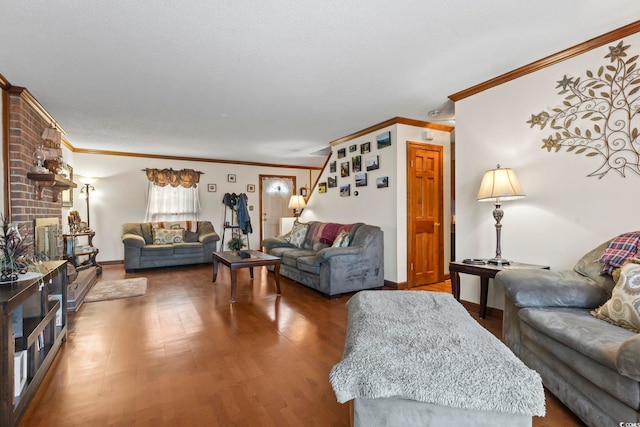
{"x": 14, "y": 252}
{"x": 236, "y": 243}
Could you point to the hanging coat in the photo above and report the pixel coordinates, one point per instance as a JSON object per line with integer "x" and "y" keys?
{"x": 244, "y": 220}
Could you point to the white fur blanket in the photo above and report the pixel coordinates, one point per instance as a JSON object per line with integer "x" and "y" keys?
{"x": 425, "y": 346}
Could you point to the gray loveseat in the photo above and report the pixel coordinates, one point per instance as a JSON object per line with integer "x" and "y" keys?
{"x": 140, "y": 251}
{"x": 592, "y": 366}
{"x": 332, "y": 270}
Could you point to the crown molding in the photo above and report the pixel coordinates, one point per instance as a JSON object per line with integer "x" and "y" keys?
{"x": 27, "y": 97}
{"x": 191, "y": 159}
{"x": 571, "y": 52}
{"x": 391, "y": 122}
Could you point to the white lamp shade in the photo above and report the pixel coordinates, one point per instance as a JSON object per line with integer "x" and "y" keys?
{"x": 297, "y": 202}
{"x": 499, "y": 183}
{"x": 87, "y": 180}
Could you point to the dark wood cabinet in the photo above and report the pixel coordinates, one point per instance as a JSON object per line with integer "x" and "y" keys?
{"x": 33, "y": 320}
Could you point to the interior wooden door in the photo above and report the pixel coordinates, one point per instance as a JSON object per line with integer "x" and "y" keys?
{"x": 425, "y": 251}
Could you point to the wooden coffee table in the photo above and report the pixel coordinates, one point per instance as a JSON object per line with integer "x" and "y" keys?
{"x": 233, "y": 260}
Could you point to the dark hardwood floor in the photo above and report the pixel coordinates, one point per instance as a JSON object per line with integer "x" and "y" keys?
{"x": 181, "y": 355}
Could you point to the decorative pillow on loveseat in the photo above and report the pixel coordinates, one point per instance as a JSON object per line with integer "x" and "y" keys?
{"x": 623, "y": 309}
{"x": 342, "y": 240}
{"x": 164, "y": 236}
{"x": 298, "y": 233}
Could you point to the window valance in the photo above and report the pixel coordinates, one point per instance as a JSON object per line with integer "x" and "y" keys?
{"x": 185, "y": 177}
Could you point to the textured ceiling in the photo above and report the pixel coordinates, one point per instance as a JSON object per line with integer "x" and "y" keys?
{"x": 270, "y": 81}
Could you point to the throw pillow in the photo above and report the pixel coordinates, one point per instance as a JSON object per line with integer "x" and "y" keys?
{"x": 190, "y": 236}
{"x": 616, "y": 272}
{"x": 342, "y": 240}
{"x": 298, "y": 233}
{"x": 623, "y": 309}
{"x": 164, "y": 236}
{"x": 619, "y": 249}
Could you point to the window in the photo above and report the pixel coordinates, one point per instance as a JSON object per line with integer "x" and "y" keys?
{"x": 172, "y": 203}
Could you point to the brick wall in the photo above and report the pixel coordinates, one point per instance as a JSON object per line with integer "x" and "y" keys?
{"x": 26, "y": 125}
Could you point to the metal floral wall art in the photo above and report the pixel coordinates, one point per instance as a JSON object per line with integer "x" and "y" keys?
{"x": 599, "y": 115}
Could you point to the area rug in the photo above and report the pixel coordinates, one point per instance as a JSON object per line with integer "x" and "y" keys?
{"x": 116, "y": 289}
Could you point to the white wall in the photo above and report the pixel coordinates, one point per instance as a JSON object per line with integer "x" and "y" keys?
{"x": 384, "y": 207}
{"x": 565, "y": 213}
{"x": 121, "y": 192}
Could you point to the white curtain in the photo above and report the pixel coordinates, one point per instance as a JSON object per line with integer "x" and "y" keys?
{"x": 172, "y": 203}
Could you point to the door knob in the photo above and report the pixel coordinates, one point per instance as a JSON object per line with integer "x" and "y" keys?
{"x": 437, "y": 224}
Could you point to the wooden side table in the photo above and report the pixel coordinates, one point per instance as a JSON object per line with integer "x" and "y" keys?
{"x": 485, "y": 272}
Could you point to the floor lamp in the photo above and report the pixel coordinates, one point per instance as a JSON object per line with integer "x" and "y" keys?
{"x": 86, "y": 188}
{"x": 498, "y": 185}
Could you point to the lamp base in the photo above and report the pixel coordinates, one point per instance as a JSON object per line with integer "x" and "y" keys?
{"x": 498, "y": 261}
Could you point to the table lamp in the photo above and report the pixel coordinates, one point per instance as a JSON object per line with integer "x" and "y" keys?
{"x": 297, "y": 203}
{"x": 499, "y": 185}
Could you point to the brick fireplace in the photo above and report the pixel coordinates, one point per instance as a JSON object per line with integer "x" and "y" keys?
{"x": 27, "y": 121}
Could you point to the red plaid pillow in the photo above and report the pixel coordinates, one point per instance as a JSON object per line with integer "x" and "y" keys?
{"x": 622, "y": 247}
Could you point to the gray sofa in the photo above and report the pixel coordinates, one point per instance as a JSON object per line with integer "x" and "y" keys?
{"x": 332, "y": 270}
{"x": 141, "y": 252}
{"x": 592, "y": 366}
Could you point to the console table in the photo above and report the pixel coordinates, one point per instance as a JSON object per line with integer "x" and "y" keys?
{"x": 33, "y": 315}
{"x": 485, "y": 272}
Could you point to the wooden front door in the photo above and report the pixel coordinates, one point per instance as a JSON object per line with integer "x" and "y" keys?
{"x": 425, "y": 251}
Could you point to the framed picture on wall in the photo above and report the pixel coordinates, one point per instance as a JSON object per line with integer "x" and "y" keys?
{"x": 356, "y": 163}
{"x": 384, "y": 140}
{"x": 212, "y": 188}
{"x": 342, "y": 152}
{"x": 344, "y": 169}
{"x": 361, "y": 179}
{"x": 251, "y": 188}
{"x": 231, "y": 177}
{"x": 353, "y": 148}
{"x": 365, "y": 148}
{"x": 332, "y": 182}
{"x": 382, "y": 182}
{"x": 322, "y": 187}
{"x": 345, "y": 190}
{"x": 67, "y": 195}
{"x": 372, "y": 163}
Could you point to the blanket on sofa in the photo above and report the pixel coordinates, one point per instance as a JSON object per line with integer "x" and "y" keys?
{"x": 425, "y": 346}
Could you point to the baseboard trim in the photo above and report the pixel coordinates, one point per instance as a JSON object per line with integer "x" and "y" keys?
{"x": 475, "y": 308}
{"x": 114, "y": 262}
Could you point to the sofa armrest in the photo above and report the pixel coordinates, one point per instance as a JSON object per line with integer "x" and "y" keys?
{"x": 208, "y": 238}
{"x": 275, "y": 242}
{"x": 628, "y": 360}
{"x": 331, "y": 252}
{"x": 547, "y": 288}
{"x": 133, "y": 240}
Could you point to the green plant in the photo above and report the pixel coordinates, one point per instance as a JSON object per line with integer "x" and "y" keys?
{"x": 14, "y": 252}
{"x": 236, "y": 243}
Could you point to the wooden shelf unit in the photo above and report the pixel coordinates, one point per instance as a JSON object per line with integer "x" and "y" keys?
{"x": 39, "y": 306}
{"x": 72, "y": 256}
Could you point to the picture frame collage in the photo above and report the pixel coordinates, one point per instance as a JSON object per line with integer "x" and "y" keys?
{"x": 361, "y": 162}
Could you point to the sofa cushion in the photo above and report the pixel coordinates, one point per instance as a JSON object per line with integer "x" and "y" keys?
{"x": 619, "y": 249}
{"x": 308, "y": 264}
{"x": 190, "y": 236}
{"x": 279, "y": 251}
{"x": 165, "y": 236}
{"x": 157, "y": 250}
{"x": 290, "y": 258}
{"x": 187, "y": 248}
{"x": 577, "y": 329}
{"x": 298, "y": 234}
{"x": 623, "y": 309}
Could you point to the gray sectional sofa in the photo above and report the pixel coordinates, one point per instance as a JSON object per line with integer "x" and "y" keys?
{"x": 332, "y": 270}
{"x": 140, "y": 251}
{"x": 592, "y": 366}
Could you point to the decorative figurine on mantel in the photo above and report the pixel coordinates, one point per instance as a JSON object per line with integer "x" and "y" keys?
{"x": 38, "y": 159}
